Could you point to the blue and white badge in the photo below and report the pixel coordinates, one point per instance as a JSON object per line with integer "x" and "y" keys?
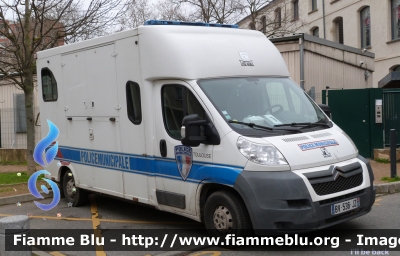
{"x": 184, "y": 160}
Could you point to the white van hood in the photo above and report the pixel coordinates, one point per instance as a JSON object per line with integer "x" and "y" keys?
{"x": 305, "y": 150}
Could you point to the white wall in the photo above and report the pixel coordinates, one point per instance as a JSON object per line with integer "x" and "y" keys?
{"x": 387, "y": 52}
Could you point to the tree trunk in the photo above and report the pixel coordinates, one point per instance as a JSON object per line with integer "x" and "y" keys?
{"x": 30, "y": 122}
{"x": 28, "y": 89}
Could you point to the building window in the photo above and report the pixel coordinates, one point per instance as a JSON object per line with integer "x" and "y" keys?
{"x": 278, "y": 18}
{"x": 20, "y": 113}
{"x": 314, "y": 5}
{"x": 395, "y": 19}
{"x": 295, "y": 9}
{"x": 133, "y": 102}
{"x": 315, "y": 32}
{"x": 49, "y": 85}
{"x": 264, "y": 24}
{"x": 252, "y": 26}
{"x": 178, "y": 102}
{"x": 397, "y": 68}
{"x": 365, "y": 27}
{"x": 339, "y": 30}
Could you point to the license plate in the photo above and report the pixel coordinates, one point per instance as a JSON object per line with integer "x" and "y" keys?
{"x": 345, "y": 206}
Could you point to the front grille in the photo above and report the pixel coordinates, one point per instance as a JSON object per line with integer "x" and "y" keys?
{"x": 338, "y": 185}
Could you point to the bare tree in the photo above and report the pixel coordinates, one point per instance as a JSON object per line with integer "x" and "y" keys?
{"x": 136, "y": 13}
{"x": 168, "y": 10}
{"x": 219, "y": 11}
{"x": 274, "y": 17}
{"x": 40, "y": 25}
{"x": 139, "y": 11}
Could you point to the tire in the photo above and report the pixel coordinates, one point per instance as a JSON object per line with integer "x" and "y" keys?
{"x": 76, "y": 196}
{"x": 225, "y": 213}
{"x": 60, "y": 186}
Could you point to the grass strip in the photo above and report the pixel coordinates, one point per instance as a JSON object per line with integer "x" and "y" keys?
{"x": 388, "y": 179}
{"x": 13, "y": 178}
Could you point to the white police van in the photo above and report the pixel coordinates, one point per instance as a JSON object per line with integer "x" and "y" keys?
{"x": 201, "y": 120}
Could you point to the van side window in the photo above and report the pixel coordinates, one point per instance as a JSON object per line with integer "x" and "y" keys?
{"x": 178, "y": 102}
{"x": 49, "y": 85}
{"x": 133, "y": 102}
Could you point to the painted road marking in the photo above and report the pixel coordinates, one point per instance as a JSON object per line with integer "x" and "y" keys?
{"x": 56, "y": 254}
{"x": 208, "y": 253}
{"x": 96, "y": 225}
{"x": 377, "y": 200}
{"x": 105, "y": 220}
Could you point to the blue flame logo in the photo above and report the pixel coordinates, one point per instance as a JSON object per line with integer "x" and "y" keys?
{"x": 44, "y": 155}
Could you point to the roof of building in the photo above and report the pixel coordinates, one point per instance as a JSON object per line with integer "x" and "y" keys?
{"x": 306, "y": 37}
{"x": 392, "y": 80}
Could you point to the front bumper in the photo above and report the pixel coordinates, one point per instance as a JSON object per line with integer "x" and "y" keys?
{"x": 282, "y": 201}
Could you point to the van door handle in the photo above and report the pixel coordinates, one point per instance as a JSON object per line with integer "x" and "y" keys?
{"x": 163, "y": 148}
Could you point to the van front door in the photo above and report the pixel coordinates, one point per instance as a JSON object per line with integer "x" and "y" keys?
{"x": 175, "y": 100}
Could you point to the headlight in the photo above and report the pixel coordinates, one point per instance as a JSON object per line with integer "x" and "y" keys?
{"x": 260, "y": 153}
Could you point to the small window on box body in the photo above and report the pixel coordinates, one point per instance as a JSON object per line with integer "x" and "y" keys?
{"x": 49, "y": 85}
{"x": 133, "y": 102}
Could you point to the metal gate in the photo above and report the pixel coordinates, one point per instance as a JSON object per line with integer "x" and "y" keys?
{"x": 353, "y": 110}
{"x": 391, "y": 113}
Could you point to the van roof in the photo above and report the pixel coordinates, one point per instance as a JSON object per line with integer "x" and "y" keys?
{"x": 193, "y": 52}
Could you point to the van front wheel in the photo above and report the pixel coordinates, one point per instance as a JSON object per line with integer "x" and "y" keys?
{"x": 73, "y": 194}
{"x": 224, "y": 213}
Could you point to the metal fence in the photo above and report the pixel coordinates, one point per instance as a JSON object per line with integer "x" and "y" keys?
{"x": 13, "y": 128}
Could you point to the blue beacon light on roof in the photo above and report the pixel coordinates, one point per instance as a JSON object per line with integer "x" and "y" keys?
{"x": 185, "y": 23}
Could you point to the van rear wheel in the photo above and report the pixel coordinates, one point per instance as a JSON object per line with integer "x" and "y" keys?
{"x": 225, "y": 213}
{"x": 73, "y": 194}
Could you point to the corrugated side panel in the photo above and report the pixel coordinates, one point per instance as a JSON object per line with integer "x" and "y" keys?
{"x": 292, "y": 60}
{"x": 320, "y": 72}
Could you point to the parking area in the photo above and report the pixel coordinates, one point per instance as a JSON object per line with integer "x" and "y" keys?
{"x": 100, "y": 213}
{"x": 107, "y": 213}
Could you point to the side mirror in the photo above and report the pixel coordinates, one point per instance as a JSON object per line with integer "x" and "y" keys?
{"x": 326, "y": 109}
{"x": 195, "y": 131}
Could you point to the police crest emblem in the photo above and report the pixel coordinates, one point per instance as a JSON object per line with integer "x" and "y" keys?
{"x": 184, "y": 160}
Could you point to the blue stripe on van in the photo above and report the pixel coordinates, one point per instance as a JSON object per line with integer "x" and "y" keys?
{"x": 150, "y": 166}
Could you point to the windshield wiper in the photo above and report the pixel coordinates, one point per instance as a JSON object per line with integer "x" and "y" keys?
{"x": 303, "y": 125}
{"x": 252, "y": 125}
{"x": 293, "y": 124}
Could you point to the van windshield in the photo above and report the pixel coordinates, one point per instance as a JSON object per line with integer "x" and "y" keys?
{"x": 254, "y": 106}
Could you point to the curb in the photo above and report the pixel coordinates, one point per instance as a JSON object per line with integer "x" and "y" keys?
{"x": 21, "y": 198}
{"x": 388, "y": 188}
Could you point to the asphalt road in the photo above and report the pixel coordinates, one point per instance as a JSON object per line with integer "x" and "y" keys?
{"x": 106, "y": 213}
